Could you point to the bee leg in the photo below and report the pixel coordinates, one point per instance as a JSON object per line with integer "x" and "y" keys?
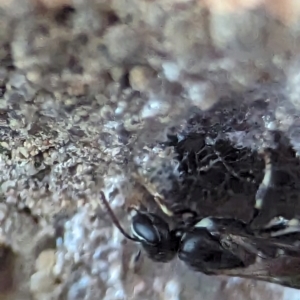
{"x": 135, "y": 261}
{"x": 158, "y": 198}
{"x": 265, "y": 184}
{"x": 277, "y": 222}
{"x": 162, "y": 206}
{"x": 292, "y": 226}
{"x": 279, "y": 226}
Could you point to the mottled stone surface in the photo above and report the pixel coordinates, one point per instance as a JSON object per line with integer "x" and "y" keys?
{"x": 91, "y": 91}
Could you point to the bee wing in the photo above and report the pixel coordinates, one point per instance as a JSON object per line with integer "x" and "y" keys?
{"x": 265, "y": 259}
{"x": 246, "y": 252}
{"x": 283, "y": 270}
{"x": 261, "y": 246}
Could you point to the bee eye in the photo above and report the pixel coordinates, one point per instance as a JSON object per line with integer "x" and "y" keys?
{"x": 143, "y": 229}
{"x": 150, "y": 228}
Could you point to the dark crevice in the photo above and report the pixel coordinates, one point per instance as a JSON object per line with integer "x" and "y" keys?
{"x": 219, "y": 178}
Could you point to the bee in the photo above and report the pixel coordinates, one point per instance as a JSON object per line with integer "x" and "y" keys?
{"x": 220, "y": 246}
{"x": 215, "y": 246}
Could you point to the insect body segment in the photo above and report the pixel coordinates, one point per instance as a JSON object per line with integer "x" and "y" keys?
{"x": 154, "y": 235}
{"x": 209, "y": 245}
{"x": 151, "y": 231}
{"x": 291, "y": 226}
{"x": 193, "y": 243}
{"x": 201, "y": 251}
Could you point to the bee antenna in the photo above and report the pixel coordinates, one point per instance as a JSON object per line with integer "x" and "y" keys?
{"x": 114, "y": 218}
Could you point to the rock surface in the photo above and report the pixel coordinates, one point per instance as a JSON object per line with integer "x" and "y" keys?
{"x": 90, "y": 91}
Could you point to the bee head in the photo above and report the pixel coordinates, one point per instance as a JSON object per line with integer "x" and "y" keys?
{"x": 154, "y": 234}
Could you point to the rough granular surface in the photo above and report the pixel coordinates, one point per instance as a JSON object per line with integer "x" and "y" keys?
{"x": 139, "y": 98}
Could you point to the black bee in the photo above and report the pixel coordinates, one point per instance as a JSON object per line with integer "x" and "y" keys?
{"x": 215, "y": 246}
{"x": 194, "y": 243}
